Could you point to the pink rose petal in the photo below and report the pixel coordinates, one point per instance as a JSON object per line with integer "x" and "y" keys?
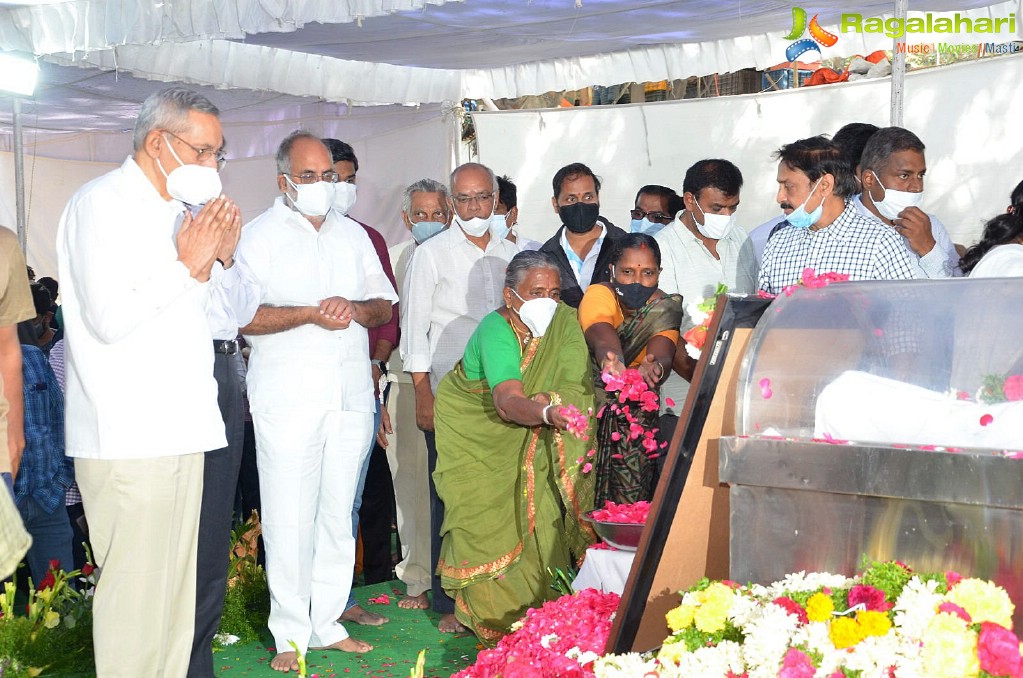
{"x": 986, "y": 419}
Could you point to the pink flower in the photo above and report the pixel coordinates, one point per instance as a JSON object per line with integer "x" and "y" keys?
{"x": 953, "y": 609}
{"x": 1013, "y": 387}
{"x": 873, "y": 598}
{"x": 986, "y": 420}
{"x": 796, "y": 665}
{"x": 650, "y": 444}
{"x": 622, "y": 513}
{"x": 952, "y": 578}
{"x": 669, "y": 402}
{"x": 382, "y": 599}
{"x": 616, "y": 436}
{"x": 998, "y": 650}
{"x": 587, "y": 467}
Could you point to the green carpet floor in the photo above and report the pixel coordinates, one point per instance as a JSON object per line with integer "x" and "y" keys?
{"x": 396, "y": 646}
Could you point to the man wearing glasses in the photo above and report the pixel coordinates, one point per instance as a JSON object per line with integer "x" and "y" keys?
{"x": 656, "y": 207}
{"x": 135, "y": 268}
{"x": 311, "y": 393}
{"x": 456, "y": 278}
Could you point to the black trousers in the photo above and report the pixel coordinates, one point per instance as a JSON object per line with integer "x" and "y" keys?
{"x": 220, "y": 479}
{"x": 442, "y": 603}
{"x": 376, "y": 515}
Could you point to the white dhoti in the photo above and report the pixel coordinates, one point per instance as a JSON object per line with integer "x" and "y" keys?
{"x": 308, "y": 470}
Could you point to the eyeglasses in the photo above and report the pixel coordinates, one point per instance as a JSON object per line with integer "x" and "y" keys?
{"x": 655, "y": 217}
{"x": 204, "y": 154}
{"x": 479, "y": 199}
{"x": 331, "y": 177}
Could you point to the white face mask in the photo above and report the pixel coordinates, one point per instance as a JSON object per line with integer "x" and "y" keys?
{"x": 474, "y": 227}
{"x": 536, "y": 314}
{"x": 895, "y": 201}
{"x": 191, "y": 184}
{"x": 499, "y": 226}
{"x": 714, "y": 226}
{"x": 312, "y": 200}
{"x": 344, "y": 197}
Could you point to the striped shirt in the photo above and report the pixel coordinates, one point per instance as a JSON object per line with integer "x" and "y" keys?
{"x": 864, "y": 249}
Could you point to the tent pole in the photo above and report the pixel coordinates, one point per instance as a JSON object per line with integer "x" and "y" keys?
{"x": 19, "y": 172}
{"x": 898, "y": 68}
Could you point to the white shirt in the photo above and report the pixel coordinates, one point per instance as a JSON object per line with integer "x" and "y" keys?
{"x": 139, "y": 350}
{"x": 1004, "y": 261}
{"x": 296, "y": 265}
{"x": 451, "y": 286}
{"x": 583, "y": 268}
{"x": 941, "y": 262}
{"x": 689, "y": 268}
{"x": 234, "y": 300}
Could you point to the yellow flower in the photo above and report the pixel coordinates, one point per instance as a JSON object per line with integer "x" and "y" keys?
{"x": 44, "y": 595}
{"x": 716, "y": 603}
{"x": 845, "y": 632}
{"x": 984, "y": 601}
{"x": 873, "y": 623}
{"x": 680, "y": 618}
{"x": 51, "y": 620}
{"x": 671, "y": 653}
{"x": 950, "y": 648}
{"x": 819, "y": 607}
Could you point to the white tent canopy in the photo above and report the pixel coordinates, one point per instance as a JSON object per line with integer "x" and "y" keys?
{"x": 276, "y": 65}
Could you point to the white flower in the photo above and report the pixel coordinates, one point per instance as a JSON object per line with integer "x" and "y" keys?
{"x": 916, "y": 607}
{"x": 708, "y": 661}
{"x": 767, "y": 639}
{"x": 548, "y": 640}
{"x": 693, "y": 352}
{"x": 801, "y": 582}
{"x": 226, "y": 639}
{"x": 623, "y": 666}
{"x": 699, "y": 316}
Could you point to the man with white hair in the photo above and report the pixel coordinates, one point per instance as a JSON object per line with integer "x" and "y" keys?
{"x": 311, "y": 393}
{"x": 457, "y": 277}
{"x": 135, "y": 268}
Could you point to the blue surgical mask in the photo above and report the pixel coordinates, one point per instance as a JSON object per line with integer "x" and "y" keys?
{"x": 800, "y": 218}
{"x": 499, "y": 226}
{"x": 424, "y": 230}
{"x": 644, "y": 225}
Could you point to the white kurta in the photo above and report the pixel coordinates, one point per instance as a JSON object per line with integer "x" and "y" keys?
{"x": 311, "y": 396}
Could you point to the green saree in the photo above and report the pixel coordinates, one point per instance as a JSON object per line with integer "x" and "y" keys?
{"x": 513, "y": 495}
{"x": 625, "y": 472}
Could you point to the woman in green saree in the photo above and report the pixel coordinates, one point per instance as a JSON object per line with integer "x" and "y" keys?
{"x": 509, "y": 478}
{"x": 628, "y": 322}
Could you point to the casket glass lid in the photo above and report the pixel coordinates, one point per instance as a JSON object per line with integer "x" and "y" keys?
{"x": 932, "y": 364}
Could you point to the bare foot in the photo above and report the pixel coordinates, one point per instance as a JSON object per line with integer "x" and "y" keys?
{"x": 347, "y": 645}
{"x": 448, "y": 624}
{"x": 285, "y": 662}
{"x": 420, "y": 602}
{"x": 359, "y": 615}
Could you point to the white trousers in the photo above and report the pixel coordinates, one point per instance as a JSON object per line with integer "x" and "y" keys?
{"x": 308, "y": 470}
{"x": 406, "y": 455}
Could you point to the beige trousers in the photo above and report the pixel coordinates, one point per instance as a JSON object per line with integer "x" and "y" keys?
{"x": 406, "y": 455}
{"x": 143, "y": 523}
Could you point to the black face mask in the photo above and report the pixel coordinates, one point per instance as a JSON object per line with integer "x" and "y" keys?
{"x": 633, "y": 295}
{"x": 579, "y": 217}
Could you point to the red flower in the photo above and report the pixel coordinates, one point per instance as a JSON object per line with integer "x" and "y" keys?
{"x": 998, "y": 650}
{"x": 952, "y": 578}
{"x": 793, "y": 608}
{"x": 1013, "y": 387}
{"x": 55, "y": 564}
{"x": 696, "y": 336}
{"x": 873, "y": 598}
{"x": 47, "y": 581}
{"x": 88, "y": 569}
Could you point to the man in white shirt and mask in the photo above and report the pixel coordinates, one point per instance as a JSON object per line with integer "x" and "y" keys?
{"x": 426, "y": 212}
{"x": 310, "y": 393}
{"x": 135, "y": 269}
{"x": 891, "y": 172}
{"x": 702, "y": 248}
{"x": 457, "y": 277}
